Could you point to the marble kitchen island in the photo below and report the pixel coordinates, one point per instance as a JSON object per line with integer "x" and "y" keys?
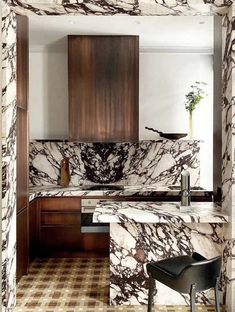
{"x": 141, "y": 232}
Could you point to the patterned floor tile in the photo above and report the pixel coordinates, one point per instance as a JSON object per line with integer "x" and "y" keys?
{"x": 74, "y": 285}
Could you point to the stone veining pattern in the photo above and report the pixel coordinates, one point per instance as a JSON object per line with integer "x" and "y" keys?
{"x": 158, "y": 212}
{"x": 147, "y": 162}
{"x": 137, "y": 7}
{"x": 136, "y": 190}
{"x": 132, "y": 245}
{"x": 142, "y": 232}
{"x": 8, "y": 246}
{"x": 227, "y": 112}
{"x": 126, "y": 7}
{"x": 228, "y": 147}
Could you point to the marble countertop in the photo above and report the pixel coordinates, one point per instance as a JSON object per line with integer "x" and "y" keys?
{"x": 157, "y": 212}
{"x": 129, "y": 190}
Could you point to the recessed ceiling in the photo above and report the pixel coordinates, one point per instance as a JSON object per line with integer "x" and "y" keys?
{"x": 194, "y": 32}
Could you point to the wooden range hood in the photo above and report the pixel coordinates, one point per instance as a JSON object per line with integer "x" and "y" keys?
{"x": 103, "y": 88}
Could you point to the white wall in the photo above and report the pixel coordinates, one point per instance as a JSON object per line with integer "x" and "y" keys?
{"x": 165, "y": 78}
{"x": 48, "y": 95}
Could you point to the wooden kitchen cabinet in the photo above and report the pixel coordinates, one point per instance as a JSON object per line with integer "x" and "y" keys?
{"x": 22, "y": 159}
{"x": 60, "y": 204}
{"x": 103, "y": 88}
{"x": 95, "y": 242}
{"x": 22, "y": 243}
{"x": 22, "y": 113}
{"x": 22, "y": 65}
{"x": 60, "y": 218}
{"x": 22, "y": 188}
{"x": 22, "y": 238}
{"x": 60, "y": 222}
{"x": 33, "y": 229}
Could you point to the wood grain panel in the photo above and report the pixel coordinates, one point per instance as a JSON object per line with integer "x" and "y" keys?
{"x": 60, "y": 204}
{"x": 57, "y": 238}
{"x": 22, "y": 35}
{"x": 103, "y": 88}
{"x": 60, "y": 225}
{"x": 22, "y": 244}
{"x": 60, "y": 229}
{"x": 22, "y": 186}
{"x": 33, "y": 229}
{"x": 22, "y": 147}
{"x": 62, "y": 218}
{"x": 95, "y": 242}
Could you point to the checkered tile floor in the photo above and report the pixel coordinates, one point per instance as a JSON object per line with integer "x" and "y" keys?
{"x": 73, "y": 285}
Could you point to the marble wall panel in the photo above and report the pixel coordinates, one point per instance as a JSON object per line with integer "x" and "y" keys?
{"x": 124, "y": 7}
{"x": 228, "y": 148}
{"x": 227, "y": 113}
{"x": 8, "y": 130}
{"x": 147, "y": 162}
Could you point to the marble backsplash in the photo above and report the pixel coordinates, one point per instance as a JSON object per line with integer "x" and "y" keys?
{"x": 146, "y": 162}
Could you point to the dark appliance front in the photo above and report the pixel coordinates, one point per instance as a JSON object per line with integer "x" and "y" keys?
{"x": 87, "y": 225}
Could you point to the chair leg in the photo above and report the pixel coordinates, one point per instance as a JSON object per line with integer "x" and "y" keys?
{"x": 192, "y": 298}
{"x": 150, "y": 294}
{"x": 217, "y": 304}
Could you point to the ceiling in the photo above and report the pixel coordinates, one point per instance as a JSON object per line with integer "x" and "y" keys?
{"x": 156, "y": 32}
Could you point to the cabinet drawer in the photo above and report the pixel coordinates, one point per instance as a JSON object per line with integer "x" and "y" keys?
{"x": 59, "y": 238}
{"x": 60, "y": 204}
{"x": 63, "y": 218}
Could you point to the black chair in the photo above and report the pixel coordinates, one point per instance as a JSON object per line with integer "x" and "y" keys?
{"x": 185, "y": 274}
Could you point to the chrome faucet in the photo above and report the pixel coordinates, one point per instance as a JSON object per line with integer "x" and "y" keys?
{"x": 185, "y": 188}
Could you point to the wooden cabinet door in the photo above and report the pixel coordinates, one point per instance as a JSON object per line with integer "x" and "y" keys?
{"x": 60, "y": 204}
{"x": 60, "y": 225}
{"x": 33, "y": 229}
{"x": 22, "y": 45}
{"x": 97, "y": 243}
{"x": 22, "y": 243}
{"x": 60, "y": 230}
{"x": 22, "y": 159}
{"x": 103, "y": 88}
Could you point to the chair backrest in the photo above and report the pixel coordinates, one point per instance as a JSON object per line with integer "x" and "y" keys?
{"x": 201, "y": 273}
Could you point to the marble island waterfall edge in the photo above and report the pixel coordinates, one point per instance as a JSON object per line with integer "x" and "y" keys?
{"x": 133, "y": 245}
{"x": 163, "y": 232}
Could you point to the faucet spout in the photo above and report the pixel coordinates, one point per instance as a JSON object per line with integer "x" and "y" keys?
{"x": 185, "y": 188}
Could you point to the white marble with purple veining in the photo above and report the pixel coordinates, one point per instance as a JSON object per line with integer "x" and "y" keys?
{"x": 8, "y": 135}
{"x": 124, "y": 7}
{"x": 146, "y": 162}
{"x": 141, "y": 232}
{"x": 158, "y": 212}
{"x": 128, "y": 191}
{"x": 134, "y": 244}
{"x": 228, "y": 148}
{"x": 92, "y": 7}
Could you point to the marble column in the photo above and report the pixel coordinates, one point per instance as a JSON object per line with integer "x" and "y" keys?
{"x": 228, "y": 146}
{"x": 8, "y": 129}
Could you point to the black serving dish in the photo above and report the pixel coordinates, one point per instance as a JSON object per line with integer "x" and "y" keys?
{"x": 169, "y": 136}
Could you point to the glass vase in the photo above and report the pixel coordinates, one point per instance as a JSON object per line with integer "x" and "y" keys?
{"x": 190, "y": 125}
